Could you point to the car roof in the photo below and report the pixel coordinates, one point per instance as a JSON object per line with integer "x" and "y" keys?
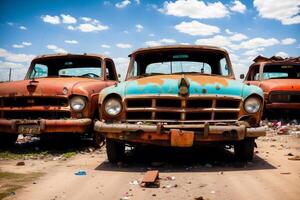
{"x": 71, "y": 55}
{"x": 275, "y": 60}
{"x": 169, "y": 47}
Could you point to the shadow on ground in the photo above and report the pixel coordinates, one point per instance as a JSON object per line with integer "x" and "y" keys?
{"x": 207, "y": 159}
{"x": 36, "y": 148}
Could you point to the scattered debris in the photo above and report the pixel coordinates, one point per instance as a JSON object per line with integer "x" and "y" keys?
{"x": 151, "y": 179}
{"x": 285, "y": 173}
{"x": 289, "y": 154}
{"x": 170, "y": 178}
{"x": 199, "y": 198}
{"x": 21, "y": 163}
{"x": 135, "y": 182}
{"x": 81, "y": 173}
{"x": 294, "y": 158}
{"x": 221, "y": 172}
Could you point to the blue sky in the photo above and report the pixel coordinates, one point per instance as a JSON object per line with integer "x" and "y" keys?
{"x": 117, "y": 27}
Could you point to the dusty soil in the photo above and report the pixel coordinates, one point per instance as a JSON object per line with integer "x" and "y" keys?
{"x": 184, "y": 174}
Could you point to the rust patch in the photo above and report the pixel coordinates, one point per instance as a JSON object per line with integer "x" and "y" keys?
{"x": 158, "y": 80}
{"x": 202, "y": 80}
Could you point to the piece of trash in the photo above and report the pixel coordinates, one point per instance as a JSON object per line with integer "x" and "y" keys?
{"x": 294, "y": 158}
{"x": 199, "y": 198}
{"x": 154, "y": 195}
{"x": 202, "y": 185}
{"x": 289, "y": 154}
{"x": 151, "y": 179}
{"x": 285, "y": 173}
{"x": 221, "y": 172}
{"x": 212, "y": 192}
{"x": 80, "y": 173}
{"x": 135, "y": 182}
{"x": 170, "y": 178}
{"x": 170, "y": 186}
{"x": 20, "y": 163}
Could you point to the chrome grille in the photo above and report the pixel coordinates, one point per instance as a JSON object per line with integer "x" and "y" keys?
{"x": 182, "y": 109}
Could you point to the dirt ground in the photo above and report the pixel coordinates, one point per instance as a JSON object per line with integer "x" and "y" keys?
{"x": 209, "y": 173}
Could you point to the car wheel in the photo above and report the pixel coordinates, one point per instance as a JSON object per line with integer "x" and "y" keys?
{"x": 115, "y": 150}
{"x": 244, "y": 150}
{"x": 8, "y": 139}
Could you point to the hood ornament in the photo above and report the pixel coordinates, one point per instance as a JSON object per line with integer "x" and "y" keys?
{"x": 184, "y": 86}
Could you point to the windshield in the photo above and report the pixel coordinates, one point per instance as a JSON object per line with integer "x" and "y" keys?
{"x": 176, "y": 62}
{"x": 66, "y": 67}
{"x": 281, "y": 71}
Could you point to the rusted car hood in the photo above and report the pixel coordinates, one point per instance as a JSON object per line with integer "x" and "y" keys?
{"x": 280, "y": 85}
{"x": 50, "y": 87}
{"x": 168, "y": 85}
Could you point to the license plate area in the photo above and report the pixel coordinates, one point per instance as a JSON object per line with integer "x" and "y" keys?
{"x": 29, "y": 129}
{"x": 182, "y": 138}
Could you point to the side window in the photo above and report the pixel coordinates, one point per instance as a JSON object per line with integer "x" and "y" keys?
{"x": 224, "y": 67}
{"x": 254, "y": 73}
{"x": 110, "y": 74}
{"x": 39, "y": 71}
{"x": 134, "y": 69}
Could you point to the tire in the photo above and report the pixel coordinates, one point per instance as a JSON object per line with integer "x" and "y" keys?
{"x": 115, "y": 150}
{"x": 7, "y": 140}
{"x": 244, "y": 150}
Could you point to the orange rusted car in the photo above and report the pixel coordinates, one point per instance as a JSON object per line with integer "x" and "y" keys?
{"x": 280, "y": 81}
{"x": 180, "y": 96}
{"x": 59, "y": 95}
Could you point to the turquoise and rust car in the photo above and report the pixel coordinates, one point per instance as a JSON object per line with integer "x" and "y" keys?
{"x": 180, "y": 96}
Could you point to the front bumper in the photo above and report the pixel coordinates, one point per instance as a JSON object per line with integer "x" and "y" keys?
{"x": 176, "y": 135}
{"x": 21, "y": 126}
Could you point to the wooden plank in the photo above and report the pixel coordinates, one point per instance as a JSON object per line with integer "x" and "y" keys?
{"x": 150, "y": 176}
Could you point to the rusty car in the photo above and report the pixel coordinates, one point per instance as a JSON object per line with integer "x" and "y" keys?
{"x": 180, "y": 96}
{"x": 280, "y": 81}
{"x": 58, "y": 95}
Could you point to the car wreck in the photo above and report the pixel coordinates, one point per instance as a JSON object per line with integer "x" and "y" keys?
{"x": 180, "y": 96}
{"x": 280, "y": 81}
{"x": 58, "y": 95}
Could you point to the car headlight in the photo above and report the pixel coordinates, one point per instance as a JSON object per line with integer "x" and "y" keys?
{"x": 78, "y": 103}
{"x": 112, "y": 107}
{"x": 252, "y": 104}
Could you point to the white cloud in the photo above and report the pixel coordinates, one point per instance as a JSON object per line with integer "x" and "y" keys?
{"x": 13, "y": 57}
{"x": 238, "y": 7}
{"x": 72, "y": 28}
{"x": 86, "y": 19}
{"x": 288, "y": 41}
{"x": 68, "y": 19}
{"x": 256, "y": 43}
{"x": 282, "y": 54}
{"x": 105, "y": 46}
{"x": 123, "y": 45}
{"x": 10, "y": 23}
{"x": 18, "y": 46}
{"x": 51, "y": 19}
{"x": 253, "y": 52}
{"x": 71, "y": 41}
{"x": 122, "y": 64}
{"x": 168, "y": 41}
{"x": 287, "y": 12}
{"x": 217, "y": 40}
{"x": 163, "y": 41}
{"x": 151, "y": 35}
{"x": 26, "y": 43}
{"x": 228, "y": 32}
{"x": 138, "y": 2}
{"x": 95, "y": 27}
{"x": 238, "y": 37}
{"x": 56, "y": 49}
{"x": 23, "y": 28}
{"x": 6, "y": 65}
{"x": 123, "y": 4}
{"x": 195, "y": 9}
{"x": 106, "y": 52}
{"x": 196, "y": 28}
{"x": 139, "y": 27}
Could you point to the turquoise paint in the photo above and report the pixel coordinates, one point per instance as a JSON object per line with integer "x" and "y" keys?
{"x": 170, "y": 86}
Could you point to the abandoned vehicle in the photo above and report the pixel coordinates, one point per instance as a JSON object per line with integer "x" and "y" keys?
{"x": 180, "y": 96}
{"x": 58, "y": 95}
